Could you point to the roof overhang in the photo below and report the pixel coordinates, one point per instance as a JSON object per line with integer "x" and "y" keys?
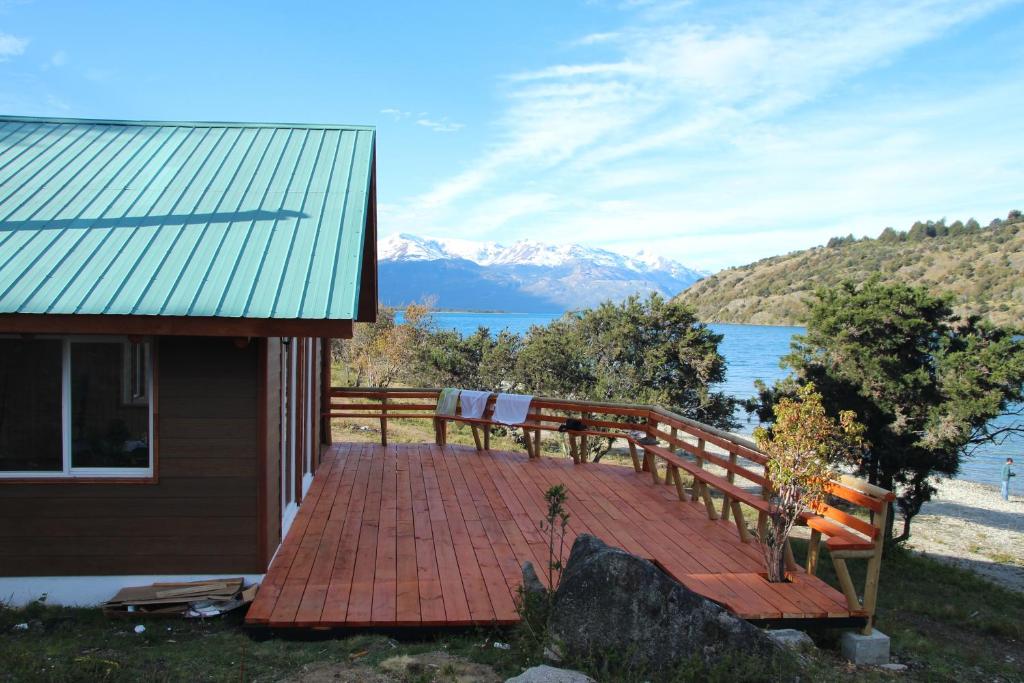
{"x": 145, "y": 325}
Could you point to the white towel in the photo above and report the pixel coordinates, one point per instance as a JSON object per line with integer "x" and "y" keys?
{"x": 511, "y": 409}
{"x": 473, "y": 403}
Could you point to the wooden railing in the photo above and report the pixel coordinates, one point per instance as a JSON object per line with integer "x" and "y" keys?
{"x": 714, "y": 461}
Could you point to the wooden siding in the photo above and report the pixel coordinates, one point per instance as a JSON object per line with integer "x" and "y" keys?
{"x": 271, "y": 483}
{"x": 200, "y": 516}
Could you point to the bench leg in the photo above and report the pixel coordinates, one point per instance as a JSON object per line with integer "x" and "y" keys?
{"x": 709, "y": 502}
{"x": 536, "y": 443}
{"x": 726, "y": 507}
{"x": 632, "y": 455}
{"x": 677, "y": 479}
{"x": 487, "y": 437}
{"x": 846, "y": 583}
{"x": 528, "y": 442}
{"x": 741, "y": 523}
{"x": 652, "y": 467}
{"x": 476, "y": 437}
{"x": 813, "y": 547}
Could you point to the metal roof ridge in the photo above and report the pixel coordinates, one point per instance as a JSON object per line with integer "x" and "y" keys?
{"x": 184, "y": 124}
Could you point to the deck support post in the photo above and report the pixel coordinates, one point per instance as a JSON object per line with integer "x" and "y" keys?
{"x": 384, "y": 421}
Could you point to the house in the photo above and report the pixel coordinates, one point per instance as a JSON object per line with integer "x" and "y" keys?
{"x": 168, "y": 291}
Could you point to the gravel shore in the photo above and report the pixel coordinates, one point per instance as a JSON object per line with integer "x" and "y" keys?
{"x": 969, "y": 525}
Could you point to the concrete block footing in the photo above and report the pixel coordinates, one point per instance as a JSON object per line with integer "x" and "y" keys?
{"x": 870, "y": 650}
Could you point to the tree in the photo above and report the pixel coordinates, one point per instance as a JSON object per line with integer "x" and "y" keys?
{"x": 638, "y": 351}
{"x": 803, "y": 444}
{"x": 478, "y": 361}
{"x": 926, "y": 386}
{"x": 382, "y": 352}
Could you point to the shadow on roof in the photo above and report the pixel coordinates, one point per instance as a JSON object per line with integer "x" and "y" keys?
{"x": 154, "y": 220}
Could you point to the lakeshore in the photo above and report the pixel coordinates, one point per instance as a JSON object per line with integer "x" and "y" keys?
{"x": 968, "y": 525}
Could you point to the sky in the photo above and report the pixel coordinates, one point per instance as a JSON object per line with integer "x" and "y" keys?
{"x": 714, "y": 133}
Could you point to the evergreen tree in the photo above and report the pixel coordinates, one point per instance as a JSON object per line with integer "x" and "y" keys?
{"x": 925, "y": 386}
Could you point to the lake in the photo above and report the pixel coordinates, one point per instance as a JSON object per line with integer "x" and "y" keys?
{"x": 751, "y": 352}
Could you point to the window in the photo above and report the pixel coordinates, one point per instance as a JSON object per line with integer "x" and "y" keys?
{"x": 75, "y": 407}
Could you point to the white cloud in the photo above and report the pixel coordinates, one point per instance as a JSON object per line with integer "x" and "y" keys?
{"x": 396, "y": 114}
{"x": 442, "y": 125}
{"x": 691, "y": 133}
{"x": 59, "y": 58}
{"x": 11, "y": 46}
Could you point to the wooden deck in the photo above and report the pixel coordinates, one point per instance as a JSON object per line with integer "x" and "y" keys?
{"x": 419, "y": 535}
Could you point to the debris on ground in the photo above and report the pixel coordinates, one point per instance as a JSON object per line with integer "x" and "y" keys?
{"x": 190, "y": 599}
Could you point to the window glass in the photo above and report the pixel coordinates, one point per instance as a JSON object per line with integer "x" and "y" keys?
{"x": 30, "y": 405}
{"x": 109, "y": 410}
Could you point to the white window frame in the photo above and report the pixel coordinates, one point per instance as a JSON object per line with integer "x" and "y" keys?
{"x": 67, "y": 471}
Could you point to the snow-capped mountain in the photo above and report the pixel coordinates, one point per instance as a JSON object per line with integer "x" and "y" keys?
{"x": 526, "y": 276}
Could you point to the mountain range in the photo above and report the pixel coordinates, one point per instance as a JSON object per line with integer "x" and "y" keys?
{"x": 524, "y": 277}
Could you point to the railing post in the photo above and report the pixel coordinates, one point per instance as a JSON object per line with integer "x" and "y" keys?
{"x": 384, "y": 421}
{"x": 731, "y": 478}
{"x": 671, "y": 472}
{"x": 584, "y": 445}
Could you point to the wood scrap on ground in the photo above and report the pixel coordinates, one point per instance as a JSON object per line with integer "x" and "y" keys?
{"x": 189, "y": 599}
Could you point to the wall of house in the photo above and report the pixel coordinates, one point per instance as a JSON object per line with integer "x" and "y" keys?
{"x": 203, "y": 513}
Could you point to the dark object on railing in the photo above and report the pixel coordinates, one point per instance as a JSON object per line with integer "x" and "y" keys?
{"x": 572, "y": 425}
{"x": 648, "y": 441}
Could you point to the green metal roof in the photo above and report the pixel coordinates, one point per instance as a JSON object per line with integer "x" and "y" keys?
{"x": 231, "y": 220}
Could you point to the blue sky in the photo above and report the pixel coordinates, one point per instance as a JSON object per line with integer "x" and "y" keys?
{"x": 714, "y": 133}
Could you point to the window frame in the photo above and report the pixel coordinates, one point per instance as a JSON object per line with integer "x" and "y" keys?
{"x": 68, "y": 473}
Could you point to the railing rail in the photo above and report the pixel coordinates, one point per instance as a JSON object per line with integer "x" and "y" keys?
{"x": 713, "y": 460}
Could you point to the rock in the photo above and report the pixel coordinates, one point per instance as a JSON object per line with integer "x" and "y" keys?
{"x": 896, "y": 668}
{"x": 531, "y": 582}
{"x": 549, "y": 674}
{"x": 612, "y": 602}
{"x": 791, "y": 638}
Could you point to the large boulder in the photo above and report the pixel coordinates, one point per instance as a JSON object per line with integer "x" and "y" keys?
{"x": 609, "y": 601}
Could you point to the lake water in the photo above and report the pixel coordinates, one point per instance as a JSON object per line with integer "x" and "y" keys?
{"x": 751, "y": 352}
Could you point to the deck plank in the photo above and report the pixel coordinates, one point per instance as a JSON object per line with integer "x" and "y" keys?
{"x": 419, "y": 535}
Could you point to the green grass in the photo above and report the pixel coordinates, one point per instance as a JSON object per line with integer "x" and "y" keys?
{"x": 946, "y": 624}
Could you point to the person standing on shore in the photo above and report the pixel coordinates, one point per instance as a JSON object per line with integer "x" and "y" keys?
{"x": 1007, "y": 473}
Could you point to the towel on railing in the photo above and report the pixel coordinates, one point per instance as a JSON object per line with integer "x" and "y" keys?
{"x": 446, "y": 401}
{"x": 473, "y": 403}
{"x": 511, "y": 409}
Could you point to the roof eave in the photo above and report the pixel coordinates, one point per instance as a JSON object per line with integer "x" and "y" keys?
{"x": 165, "y": 325}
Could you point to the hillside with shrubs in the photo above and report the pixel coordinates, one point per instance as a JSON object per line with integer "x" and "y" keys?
{"x": 982, "y": 268}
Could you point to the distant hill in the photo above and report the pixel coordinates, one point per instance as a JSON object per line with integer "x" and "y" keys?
{"x": 982, "y": 267}
{"x": 523, "y": 277}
